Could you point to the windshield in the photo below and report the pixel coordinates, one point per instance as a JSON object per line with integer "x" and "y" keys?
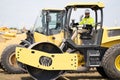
{"x": 40, "y": 23}
{"x": 54, "y": 20}
{"x": 54, "y": 24}
{"x": 79, "y": 16}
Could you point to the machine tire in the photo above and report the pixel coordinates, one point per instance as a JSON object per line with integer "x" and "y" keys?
{"x": 109, "y": 62}
{"x": 101, "y": 71}
{"x": 8, "y": 60}
{"x": 0, "y": 64}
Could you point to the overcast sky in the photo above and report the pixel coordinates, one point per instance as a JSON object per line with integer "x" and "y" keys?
{"x": 20, "y": 13}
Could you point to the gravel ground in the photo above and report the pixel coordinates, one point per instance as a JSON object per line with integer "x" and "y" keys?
{"x": 92, "y": 75}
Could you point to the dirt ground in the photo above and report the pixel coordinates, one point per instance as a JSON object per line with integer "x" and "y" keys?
{"x": 92, "y": 75}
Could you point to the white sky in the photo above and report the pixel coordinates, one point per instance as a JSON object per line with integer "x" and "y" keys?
{"x": 20, "y": 13}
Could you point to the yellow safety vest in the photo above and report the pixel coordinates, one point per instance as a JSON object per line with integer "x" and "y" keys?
{"x": 89, "y": 21}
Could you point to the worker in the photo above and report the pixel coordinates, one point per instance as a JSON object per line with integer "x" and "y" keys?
{"x": 88, "y": 24}
{"x": 87, "y": 20}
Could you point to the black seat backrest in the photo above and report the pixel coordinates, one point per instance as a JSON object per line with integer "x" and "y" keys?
{"x": 87, "y": 35}
{"x": 88, "y": 27}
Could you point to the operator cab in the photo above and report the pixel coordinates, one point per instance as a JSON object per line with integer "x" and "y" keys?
{"x": 90, "y": 46}
{"x": 75, "y": 13}
{"x": 49, "y": 22}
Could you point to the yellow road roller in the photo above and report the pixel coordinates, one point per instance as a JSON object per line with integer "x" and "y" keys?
{"x": 99, "y": 47}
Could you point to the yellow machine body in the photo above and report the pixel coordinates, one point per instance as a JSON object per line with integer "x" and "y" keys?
{"x": 55, "y": 39}
{"x": 111, "y": 36}
{"x": 65, "y": 61}
{"x": 107, "y": 40}
{"x": 31, "y": 57}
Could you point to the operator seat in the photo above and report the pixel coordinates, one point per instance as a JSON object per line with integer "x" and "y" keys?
{"x": 86, "y": 35}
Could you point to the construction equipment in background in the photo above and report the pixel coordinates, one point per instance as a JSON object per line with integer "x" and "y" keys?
{"x": 9, "y": 39}
{"x": 46, "y": 61}
{"x": 42, "y": 31}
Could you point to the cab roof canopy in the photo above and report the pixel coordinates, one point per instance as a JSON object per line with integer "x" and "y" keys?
{"x": 53, "y": 9}
{"x": 92, "y": 5}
